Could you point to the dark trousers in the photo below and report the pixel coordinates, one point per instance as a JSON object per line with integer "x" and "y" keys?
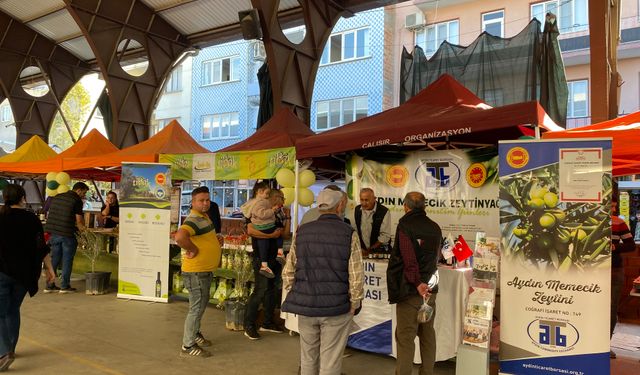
{"x": 406, "y": 332}
{"x": 11, "y": 296}
{"x": 617, "y": 283}
{"x": 264, "y": 245}
{"x": 264, "y": 292}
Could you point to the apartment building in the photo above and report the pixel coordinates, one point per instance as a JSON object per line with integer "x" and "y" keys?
{"x": 428, "y": 23}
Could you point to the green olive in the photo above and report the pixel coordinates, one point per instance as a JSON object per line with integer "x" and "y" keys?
{"x": 550, "y": 200}
{"x": 581, "y": 234}
{"x": 547, "y": 220}
{"x": 536, "y": 203}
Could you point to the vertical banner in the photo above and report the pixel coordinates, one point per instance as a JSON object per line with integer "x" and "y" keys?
{"x": 555, "y": 280}
{"x": 460, "y": 187}
{"x": 145, "y": 217}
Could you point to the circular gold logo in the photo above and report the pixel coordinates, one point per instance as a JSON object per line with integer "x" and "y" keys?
{"x": 476, "y": 175}
{"x": 517, "y": 157}
{"x": 397, "y": 176}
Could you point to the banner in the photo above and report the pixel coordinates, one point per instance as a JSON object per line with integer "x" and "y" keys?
{"x": 555, "y": 281}
{"x": 371, "y": 328}
{"x": 145, "y": 217}
{"x": 460, "y": 187}
{"x": 235, "y": 165}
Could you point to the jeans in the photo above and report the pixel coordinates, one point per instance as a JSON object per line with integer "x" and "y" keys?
{"x": 264, "y": 245}
{"x": 198, "y": 285}
{"x": 63, "y": 249}
{"x": 407, "y": 330}
{"x": 11, "y": 296}
{"x": 263, "y": 290}
{"x": 322, "y": 343}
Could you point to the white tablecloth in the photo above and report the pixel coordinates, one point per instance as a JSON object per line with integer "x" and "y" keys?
{"x": 373, "y": 328}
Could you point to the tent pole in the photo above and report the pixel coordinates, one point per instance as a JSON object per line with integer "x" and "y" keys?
{"x": 537, "y": 129}
{"x": 295, "y": 200}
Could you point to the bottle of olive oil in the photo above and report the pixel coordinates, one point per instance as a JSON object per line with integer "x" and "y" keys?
{"x": 158, "y": 286}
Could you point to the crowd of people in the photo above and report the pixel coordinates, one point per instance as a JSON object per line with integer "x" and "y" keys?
{"x": 322, "y": 275}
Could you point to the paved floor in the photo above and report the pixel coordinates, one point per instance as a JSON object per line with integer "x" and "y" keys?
{"x": 81, "y": 334}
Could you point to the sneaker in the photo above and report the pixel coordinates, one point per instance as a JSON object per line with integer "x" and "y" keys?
{"x": 280, "y": 258}
{"x": 194, "y": 351}
{"x": 252, "y": 334}
{"x": 271, "y": 328}
{"x": 67, "y": 290}
{"x": 200, "y": 340}
{"x": 51, "y": 289}
{"x": 6, "y": 361}
{"x": 266, "y": 272}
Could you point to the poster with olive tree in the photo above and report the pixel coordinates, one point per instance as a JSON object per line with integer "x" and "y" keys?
{"x": 555, "y": 198}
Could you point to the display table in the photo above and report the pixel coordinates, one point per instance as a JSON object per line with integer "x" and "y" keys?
{"x": 107, "y": 235}
{"x": 372, "y": 329}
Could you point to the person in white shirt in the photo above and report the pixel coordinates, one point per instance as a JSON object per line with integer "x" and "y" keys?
{"x": 372, "y": 222}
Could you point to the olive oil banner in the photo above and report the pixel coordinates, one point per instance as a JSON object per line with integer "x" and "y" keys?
{"x": 555, "y": 284}
{"x": 145, "y": 218}
{"x": 230, "y": 165}
{"x": 460, "y": 186}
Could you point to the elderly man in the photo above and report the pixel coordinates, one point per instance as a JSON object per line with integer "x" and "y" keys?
{"x": 410, "y": 278}
{"x": 325, "y": 279}
{"x": 372, "y": 221}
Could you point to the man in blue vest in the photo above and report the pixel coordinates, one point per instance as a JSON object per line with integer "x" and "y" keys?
{"x": 373, "y": 222}
{"x": 64, "y": 219}
{"x": 325, "y": 279}
{"x": 411, "y": 276}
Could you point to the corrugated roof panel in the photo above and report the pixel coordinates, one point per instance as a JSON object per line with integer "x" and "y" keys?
{"x": 27, "y": 10}
{"x": 288, "y": 4}
{"x": 162, "y": 4}
{"x": 56, "y": 26}
{"x": 133, "y": 44}
{"x": 200, "y": 16}
{"x": 79, "y": 47}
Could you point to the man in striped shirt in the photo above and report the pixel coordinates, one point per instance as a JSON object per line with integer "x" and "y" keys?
{"x": 621, "y": 242}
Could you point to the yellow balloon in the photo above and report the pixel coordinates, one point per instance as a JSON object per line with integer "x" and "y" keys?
{"x": 63, "y": 189}
{"x": 63, "y": 178}
{"x": 51, "y": 176}
{"x": 286, "y": 178}
{"x": 305, "y": 197}
{"x": 307, "y": 178}
{"x": 288, "y": 195}
{"x": 51, "y": 193}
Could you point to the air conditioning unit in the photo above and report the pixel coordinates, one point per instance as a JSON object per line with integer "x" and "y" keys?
{"x": 414, "y": 20}
{"x": 259, "y": 53}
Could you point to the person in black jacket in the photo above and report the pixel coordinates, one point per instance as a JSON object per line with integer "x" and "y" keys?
{"x": 372, "y": 222}
{"x": 22, "y": 252}
{"x": 412, "y": 277}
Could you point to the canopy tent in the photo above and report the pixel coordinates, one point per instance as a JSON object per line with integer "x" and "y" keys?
{"x": 445, "y": 111}
{"x": 282, "y": 130}
{"x": 624, "y": 130}
{"x": 93, "y": 144}
{"x": 173, "y": 139}
{"x": 32, "y": 150}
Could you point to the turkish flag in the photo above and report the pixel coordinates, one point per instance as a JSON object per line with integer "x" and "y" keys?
{"x": 461, "y": 250}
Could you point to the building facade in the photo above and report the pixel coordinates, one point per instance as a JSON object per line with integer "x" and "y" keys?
{"x": 175, "y": 101}
{"x": 427, "y": 23}
{"x": 7, "y": 128}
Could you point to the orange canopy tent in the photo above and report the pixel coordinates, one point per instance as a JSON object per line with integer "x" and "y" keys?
{"x": 282, "y": 130}
{"x": 93, "y": 144}
{"x": 443, "y": 111}
{"x": 624, "y": 130}
{"x": 173, "y": 139}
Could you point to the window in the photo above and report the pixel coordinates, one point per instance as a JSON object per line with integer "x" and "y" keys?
{"x": 334, "y": 113}
{"x": 493, "y": 23}
{"x": 221, "y": 70}
{"x": 349, "y": 45}
{"x": 430, "y": 38}
{"x": 174, "y": 83}
{"x": 5, "y": 114}
{"x": 573, "y": 15}
{"x": 220, "y": 126}
{"x": 578, "y": 103}
{"x": 161, "y": 123}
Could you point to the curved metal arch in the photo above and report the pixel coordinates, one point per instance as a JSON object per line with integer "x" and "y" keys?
{"x": 293, "y": 67}
{"x": 105, "y": 24}
{"x": 20, "y": 47}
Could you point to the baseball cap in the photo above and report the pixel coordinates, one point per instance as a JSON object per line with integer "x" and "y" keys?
{"x": 328, "y": 199}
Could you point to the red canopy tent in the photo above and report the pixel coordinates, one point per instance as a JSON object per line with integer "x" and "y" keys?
{"x": 93, "y": 144}
{"x": 282, "y": 130}
{"x": 624, "y": 130}
{"x": 445, "y": 111}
